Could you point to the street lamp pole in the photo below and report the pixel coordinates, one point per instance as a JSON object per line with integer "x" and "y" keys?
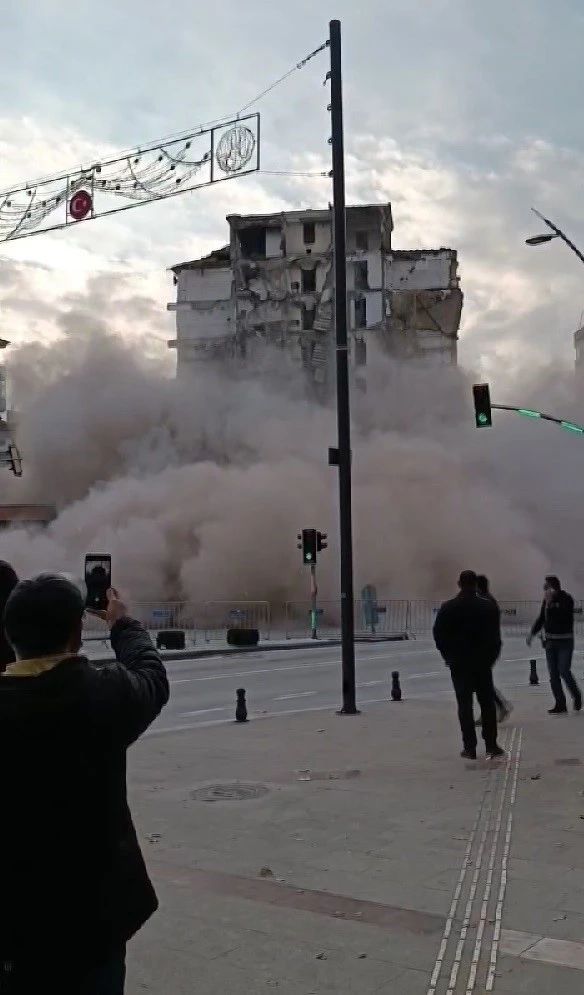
{"x": 557, "y": 233}
{"x": 343, "y": 455}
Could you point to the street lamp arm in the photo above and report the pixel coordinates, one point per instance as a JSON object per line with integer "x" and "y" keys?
{"x": 560, "y": 234}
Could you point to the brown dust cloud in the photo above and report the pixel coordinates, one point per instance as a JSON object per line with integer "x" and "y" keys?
{"x": 198, "y": 488}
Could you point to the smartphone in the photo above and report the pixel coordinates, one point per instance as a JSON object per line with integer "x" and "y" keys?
{"x": 98, "y": 580}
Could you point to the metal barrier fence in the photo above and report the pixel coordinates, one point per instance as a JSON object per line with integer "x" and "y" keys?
{"x": 210, "y": 620}
{"x": 382, "y": 618}
{"x": 216, "y": 617}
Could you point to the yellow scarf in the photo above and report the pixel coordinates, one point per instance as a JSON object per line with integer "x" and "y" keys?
{"x": 32, "y": 668}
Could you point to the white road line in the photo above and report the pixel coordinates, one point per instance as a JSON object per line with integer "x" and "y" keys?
{"x": 269, "y": 670}
{"x": 474, "y": 885}
{"x": 458, "y": 889}
{"x": 472, "y": 974}
{"x": 298, "y": 694}
{"x": 202, "y": 711}
{"x": 504, "y": 865}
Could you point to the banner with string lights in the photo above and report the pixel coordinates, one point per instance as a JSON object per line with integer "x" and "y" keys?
{"x": 153, "y": 172}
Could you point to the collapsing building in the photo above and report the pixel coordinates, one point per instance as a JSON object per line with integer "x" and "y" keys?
{"x": 273, "y": 284}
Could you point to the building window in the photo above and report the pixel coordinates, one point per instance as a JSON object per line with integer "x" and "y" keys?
{"x": 309, "y": 232}
{"x": 308, "y": 281}
{"x": 307, "y": 318}
{"x": 294, "y": 286}
{"x": 360, "y": 312}
{"x": 362, "y": 241}
{"x": 252, "y": 242}
{"x": 361, "y": 275}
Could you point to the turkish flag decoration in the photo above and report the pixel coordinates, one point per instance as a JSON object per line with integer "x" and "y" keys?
{"x": 80, "y": 205}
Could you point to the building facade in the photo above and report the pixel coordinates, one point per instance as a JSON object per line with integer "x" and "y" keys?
{"x": 579, "y": 347}
{"x": 273, "y": 284}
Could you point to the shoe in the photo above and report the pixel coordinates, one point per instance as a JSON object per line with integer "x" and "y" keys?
{"x": 469, "y": 754}
{"x": 556, "y": 710}
{"x": 578, "y": 705}
{"x": 495, "y": 752}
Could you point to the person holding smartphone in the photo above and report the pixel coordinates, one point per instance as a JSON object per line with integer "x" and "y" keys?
{"x": 74, "y": 885}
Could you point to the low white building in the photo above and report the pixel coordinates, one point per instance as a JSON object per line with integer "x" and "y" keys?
{"x": 274, "y": 282}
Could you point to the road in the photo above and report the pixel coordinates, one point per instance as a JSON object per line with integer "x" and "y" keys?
{"x": 282, "y": 682}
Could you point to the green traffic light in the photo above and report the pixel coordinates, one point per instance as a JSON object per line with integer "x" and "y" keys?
{"x": 483, "y": 419}
{"x": 529, "y": 413}
{"x": 571, "y": 427}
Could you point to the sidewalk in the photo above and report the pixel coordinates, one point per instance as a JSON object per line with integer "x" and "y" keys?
{"x": 316, "y": 853}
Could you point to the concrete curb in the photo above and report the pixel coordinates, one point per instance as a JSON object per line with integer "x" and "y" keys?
{"x": 195, "y": 654}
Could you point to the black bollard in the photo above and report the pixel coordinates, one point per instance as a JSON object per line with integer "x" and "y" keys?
{"x": 241, "y": 707}
{"x": 533, "y": 678}
{"x": 396, "y": 694}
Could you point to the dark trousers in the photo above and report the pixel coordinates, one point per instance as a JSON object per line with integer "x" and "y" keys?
{"x": 559, "y": 654}
{"x": 104, "y": 979}
{"x": 468, "y": 681}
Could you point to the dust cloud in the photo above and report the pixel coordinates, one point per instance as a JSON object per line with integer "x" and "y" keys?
{"x": 199, "y": 488}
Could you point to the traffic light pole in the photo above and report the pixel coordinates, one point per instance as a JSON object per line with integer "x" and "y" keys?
{"x": 313, "y": 605}
{"x": 349, "y": 706}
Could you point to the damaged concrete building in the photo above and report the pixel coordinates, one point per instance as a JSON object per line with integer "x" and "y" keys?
{"x": 273, "y": 284}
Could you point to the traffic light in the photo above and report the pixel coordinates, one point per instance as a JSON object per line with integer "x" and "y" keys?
{"x": 482, "y": 404}
{"x": 307, "y": 543}
{"x": 321, "y": 542}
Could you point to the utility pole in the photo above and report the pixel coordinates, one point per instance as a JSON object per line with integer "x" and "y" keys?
{"x": 343, "y": 453}
{"x": 313, "y": 604}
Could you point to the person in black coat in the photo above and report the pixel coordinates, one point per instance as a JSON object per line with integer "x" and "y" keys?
{"x": 467, "y": 634}
{"x": 504, "y": 707}
{"x": 8, "y": 581}
{"x": 73, "y": 883}
{"x": 556, "y": 621}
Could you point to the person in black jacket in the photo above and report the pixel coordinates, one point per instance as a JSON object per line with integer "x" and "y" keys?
{"x": 73, "y": 883}
{"x": 468, "y": 637}
{"x": 8, "y": 581}
{"x": 504, "y": 707}
{"x": 556, "y": 618}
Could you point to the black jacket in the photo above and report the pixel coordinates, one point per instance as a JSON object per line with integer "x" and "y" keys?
{"x": 467, "y": 631}
{"x": 556, "y": 618}
{"x": 73, "y": 882}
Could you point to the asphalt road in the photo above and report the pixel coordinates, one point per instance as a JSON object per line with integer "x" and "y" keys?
{"x": 282, "y": 682}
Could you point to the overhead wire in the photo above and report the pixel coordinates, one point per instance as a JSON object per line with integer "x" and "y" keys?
{"x": 299, "y": 65}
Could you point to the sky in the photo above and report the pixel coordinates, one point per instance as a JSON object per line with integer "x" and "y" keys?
{"x": 464, "y": 115}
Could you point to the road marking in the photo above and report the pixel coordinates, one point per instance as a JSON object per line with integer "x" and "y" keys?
{"x": 472, "y": 974}
{"x": 499, "y": 793}
{"x": 458, "y": 889}
{"x": 203, "y": 711}
{"x": 269, "y": 670}
{"x": 299, "y": 694}
{"x": 504, "y": 865}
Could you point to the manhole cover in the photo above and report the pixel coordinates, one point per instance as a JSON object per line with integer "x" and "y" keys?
{"x": 229, "y": 793}
{"x": 569, "y": 762}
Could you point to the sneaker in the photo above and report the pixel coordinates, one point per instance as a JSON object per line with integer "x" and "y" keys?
{"x": 495, "y": 752}
{"x": 556, "y": 710}
{"x": 469, "y": 754}
{"x": 578, "y": 705}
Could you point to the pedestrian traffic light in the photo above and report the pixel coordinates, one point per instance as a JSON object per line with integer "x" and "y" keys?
{"x": 307, "y": 542}
{"x": 321, "y": 542}
{"x": 482, "y": 404}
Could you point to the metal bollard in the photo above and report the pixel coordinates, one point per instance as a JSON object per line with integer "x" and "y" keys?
{"x": 241, "y": 707}
{"x": 533, "y": 678}
{"x": 396, "y": 694}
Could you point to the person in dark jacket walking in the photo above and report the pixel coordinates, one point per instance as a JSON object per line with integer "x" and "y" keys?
{"x": 556, "y": 619}
{"x": 468, "y": 637}
{"x": 8, "y": 581}
{"x": 504, "y": 707}
{"x": 73, "y": 883}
